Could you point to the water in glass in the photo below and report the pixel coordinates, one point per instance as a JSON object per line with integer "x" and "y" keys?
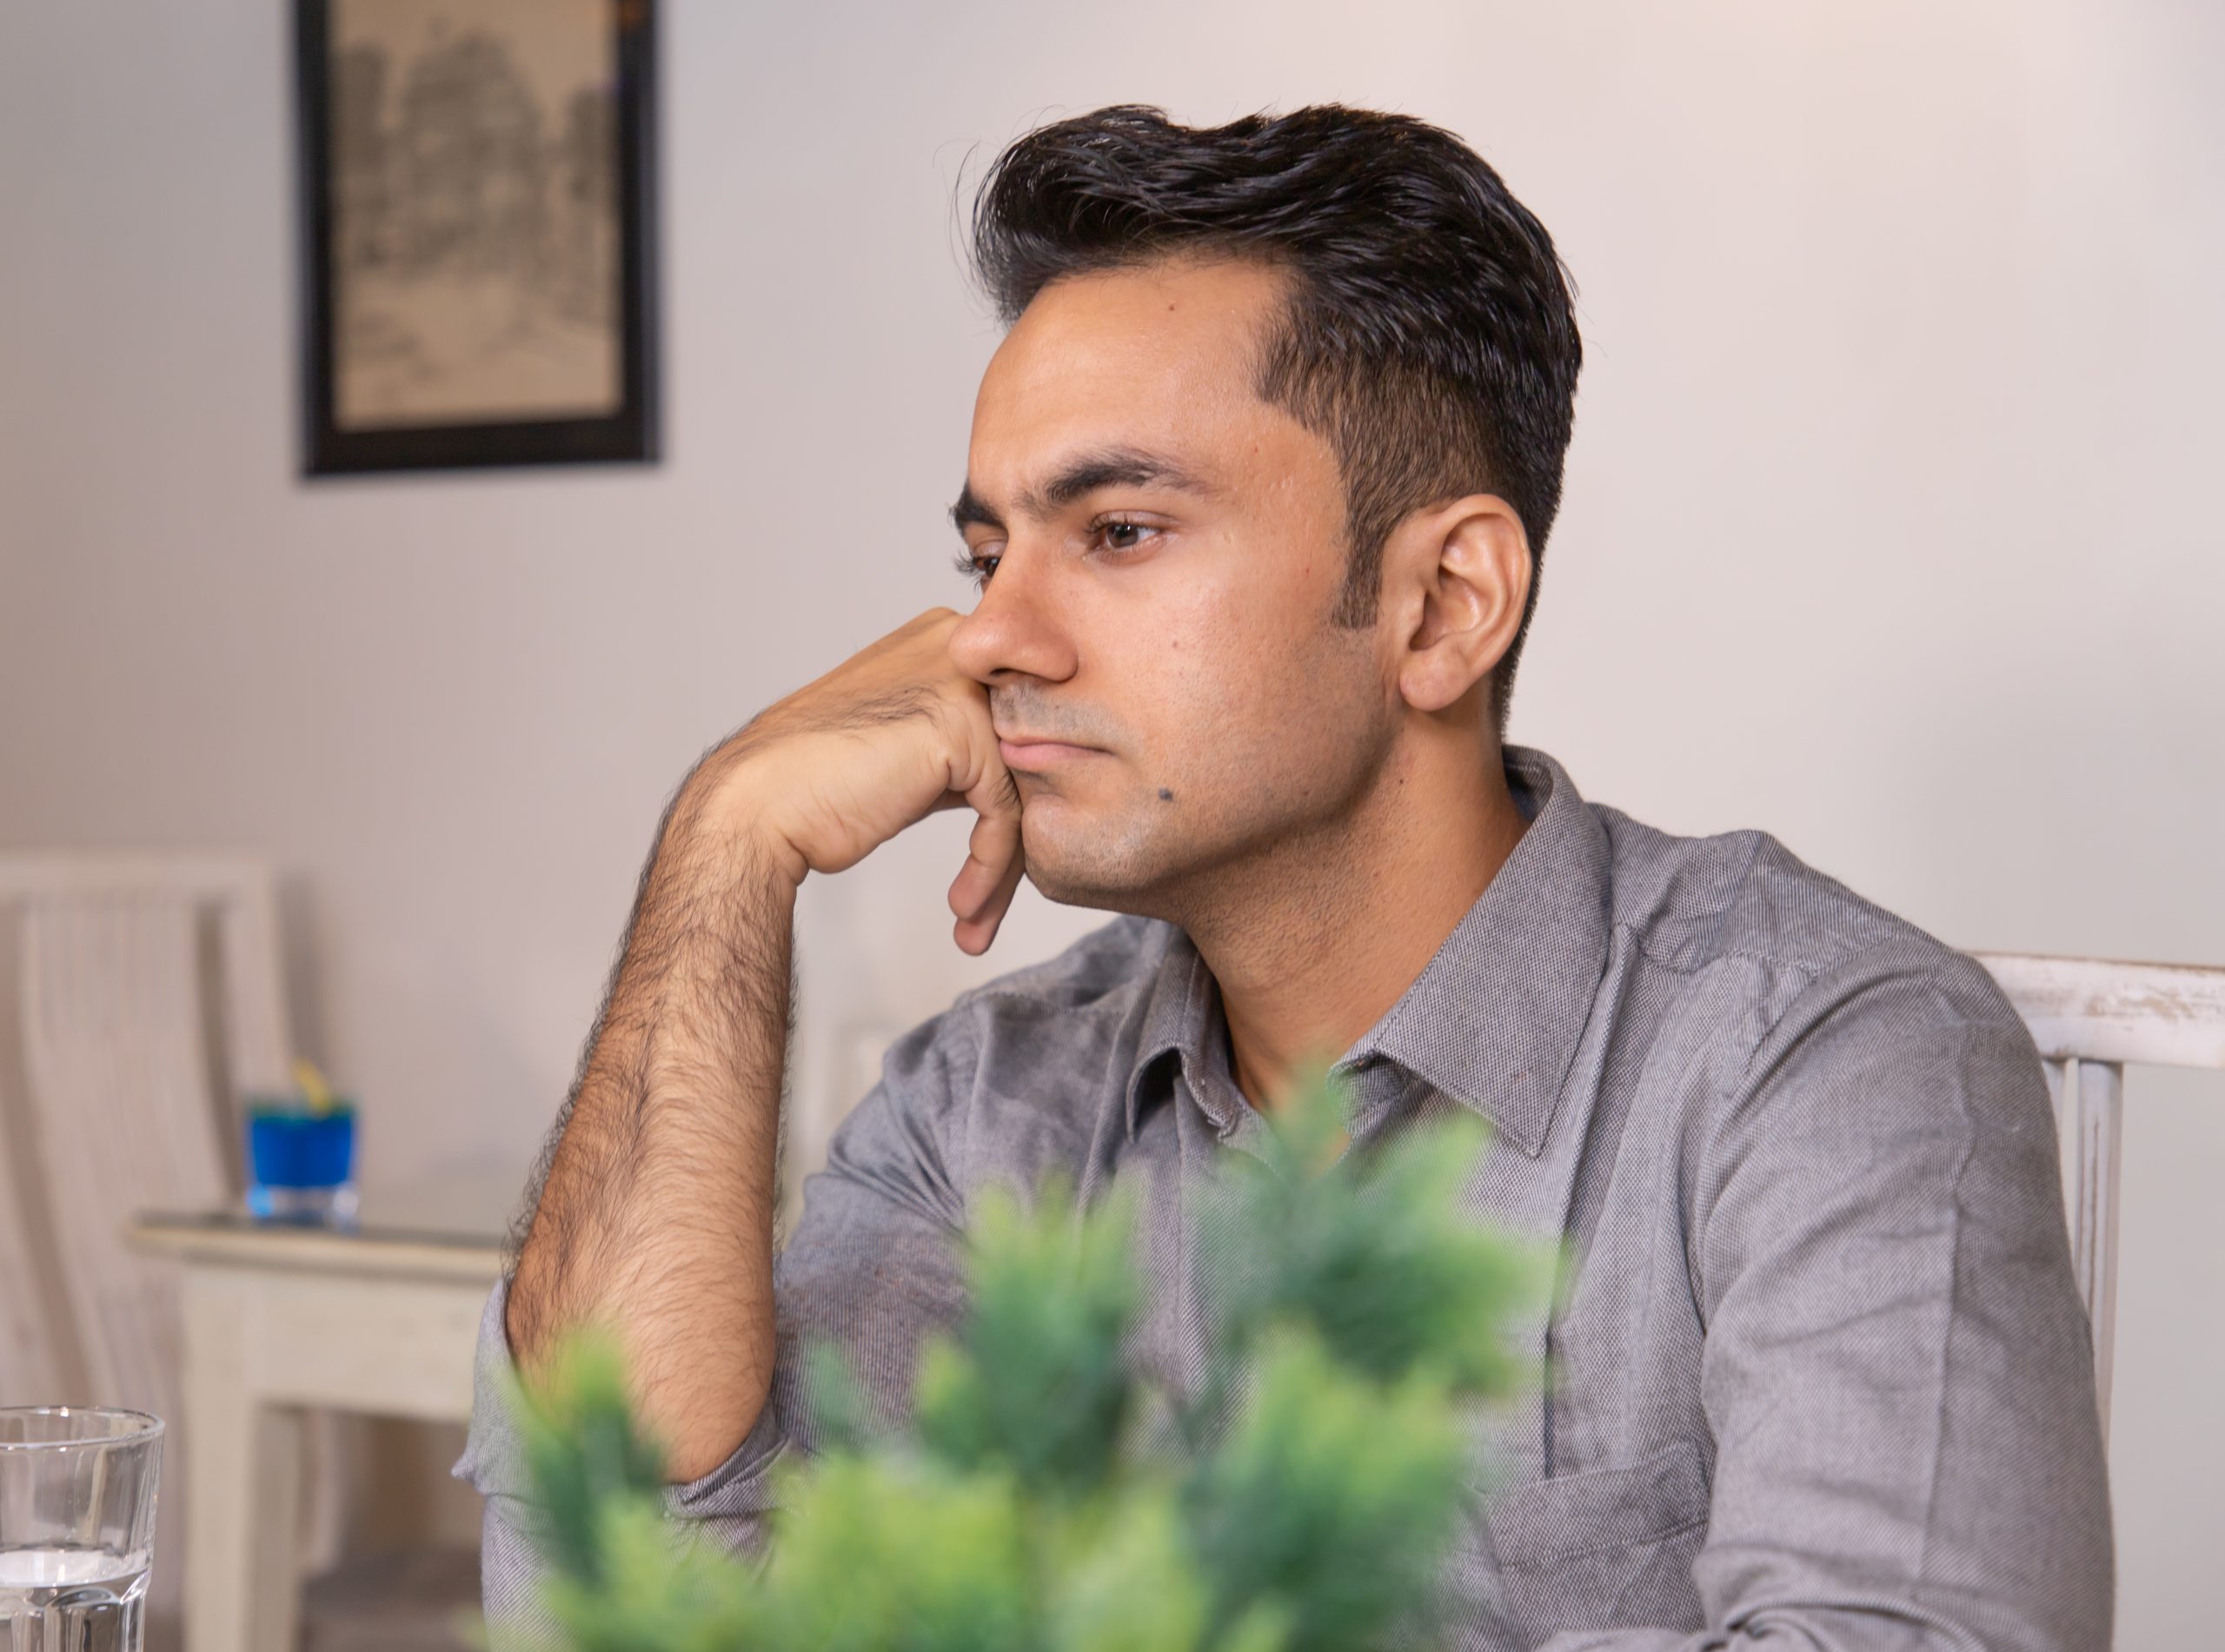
{"x": 67, "y": 1599}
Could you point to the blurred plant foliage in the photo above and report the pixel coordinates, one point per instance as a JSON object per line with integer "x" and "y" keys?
{"x": 1043, "y": 1500}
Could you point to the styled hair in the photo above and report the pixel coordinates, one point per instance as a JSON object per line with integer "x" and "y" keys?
{"x": 1429, "y": 338}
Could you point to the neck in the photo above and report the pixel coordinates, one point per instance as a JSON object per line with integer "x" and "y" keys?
{"x": 1310, "y": 953}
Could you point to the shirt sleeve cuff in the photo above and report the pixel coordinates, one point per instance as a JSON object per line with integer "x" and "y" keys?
{"x": 493, "y": 1454}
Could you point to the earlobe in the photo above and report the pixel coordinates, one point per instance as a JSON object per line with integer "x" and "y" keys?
{"x": 1470, "y": 560}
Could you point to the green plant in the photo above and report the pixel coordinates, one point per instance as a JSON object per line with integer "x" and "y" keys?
{"x": 1043, "y": 1500}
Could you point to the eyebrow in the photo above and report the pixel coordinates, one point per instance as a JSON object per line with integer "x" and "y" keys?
{"x": 1078, "y": 478}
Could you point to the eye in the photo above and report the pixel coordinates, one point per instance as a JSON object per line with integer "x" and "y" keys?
{"x": 975, "y": 566}
{"x": 1117, "y": 535}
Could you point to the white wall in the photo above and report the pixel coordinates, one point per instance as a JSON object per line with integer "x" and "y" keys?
{"x": 1888, "y": 524}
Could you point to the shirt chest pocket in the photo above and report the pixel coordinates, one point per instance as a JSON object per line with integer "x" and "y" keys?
{"x": 1605, "y": 1548}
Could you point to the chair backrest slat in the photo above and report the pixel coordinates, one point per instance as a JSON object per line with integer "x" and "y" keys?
{"x": 2098, "y": 1127}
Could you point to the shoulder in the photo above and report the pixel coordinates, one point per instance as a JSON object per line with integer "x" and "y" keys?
{"x": 1848, "y": 1071}
{"x": 1091, "y": 991}
{"x": 1809, "y": 1022}
{"x": 1011, "y": 1082}
{"x": 1740, "y": 915}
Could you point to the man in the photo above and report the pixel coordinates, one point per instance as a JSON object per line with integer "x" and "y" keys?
{"x": 1257, "y": 488}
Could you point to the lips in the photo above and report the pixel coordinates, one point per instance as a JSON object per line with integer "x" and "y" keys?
{"x": 1030, "y": 751}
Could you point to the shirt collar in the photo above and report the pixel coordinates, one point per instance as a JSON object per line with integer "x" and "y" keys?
{"x": 1182, "y": 1016}
{"x": 1495, "y": 1018}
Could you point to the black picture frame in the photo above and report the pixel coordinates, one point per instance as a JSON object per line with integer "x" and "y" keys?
{"x": 629, "y": 434}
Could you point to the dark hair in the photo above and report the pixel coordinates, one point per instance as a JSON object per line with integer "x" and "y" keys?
{"x": 1431, "y": 338}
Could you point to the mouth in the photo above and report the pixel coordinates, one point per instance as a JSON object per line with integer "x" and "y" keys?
{"x": 1026, "y": 753}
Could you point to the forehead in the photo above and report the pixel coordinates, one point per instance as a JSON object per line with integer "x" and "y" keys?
{"x": 1160, "y": 356}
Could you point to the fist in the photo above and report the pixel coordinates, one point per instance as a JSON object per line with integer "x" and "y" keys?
{"x": 891, "y": 735}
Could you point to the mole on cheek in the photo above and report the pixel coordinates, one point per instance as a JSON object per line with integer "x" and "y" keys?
{"x": 1165, "y": 796}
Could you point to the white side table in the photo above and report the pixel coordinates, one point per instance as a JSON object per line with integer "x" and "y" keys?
{"x": 383, "y": 1320}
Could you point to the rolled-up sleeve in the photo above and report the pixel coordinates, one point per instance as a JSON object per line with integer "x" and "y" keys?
{"x": 1898, "y": 1370}
{"x": 870, "y": 1269}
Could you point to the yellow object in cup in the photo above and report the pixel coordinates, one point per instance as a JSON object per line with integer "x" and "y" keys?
{"x": 312, "y": 1085}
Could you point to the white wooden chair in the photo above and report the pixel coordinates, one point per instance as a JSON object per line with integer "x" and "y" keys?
{"x": 147, "y": 998}
{"x": 123, "y": 1078}
{"x": 2092, "y": 1019}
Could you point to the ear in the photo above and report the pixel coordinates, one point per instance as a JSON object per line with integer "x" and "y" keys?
{"x": 1456, "y": 578}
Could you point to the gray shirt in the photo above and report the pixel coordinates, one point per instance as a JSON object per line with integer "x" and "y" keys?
{"x": 1821, "y": 1380}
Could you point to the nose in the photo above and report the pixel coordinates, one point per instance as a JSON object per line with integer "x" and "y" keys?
{"x": 1016, "y": 628}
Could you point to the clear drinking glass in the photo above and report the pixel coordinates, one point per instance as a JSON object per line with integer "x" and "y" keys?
{"x": 76, "y": 1526}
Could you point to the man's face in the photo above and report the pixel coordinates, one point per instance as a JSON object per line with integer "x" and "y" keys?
{"x": 1157, "y": 638}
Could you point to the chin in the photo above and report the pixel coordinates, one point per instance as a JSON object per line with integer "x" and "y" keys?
{"x": 1090, "y": 863}
{"x": 1071, "y": 885}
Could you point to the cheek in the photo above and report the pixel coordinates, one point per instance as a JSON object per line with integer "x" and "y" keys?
{"x": 1212, "y": 670}
{"x": 1233, "y": 667}
{"x": 1237, "y": 705}
{"x": 1266, "y": 643}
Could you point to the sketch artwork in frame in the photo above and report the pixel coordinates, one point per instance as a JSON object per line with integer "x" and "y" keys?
{"x": 477, "y": 216}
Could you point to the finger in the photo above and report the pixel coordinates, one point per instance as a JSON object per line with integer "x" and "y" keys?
{"x": 995, "y": 861}
{"x": 991, "y": 849}
{"x": 975, "y": 934}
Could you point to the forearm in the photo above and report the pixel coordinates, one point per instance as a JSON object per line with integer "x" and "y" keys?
{"x": 656, "y": 1215}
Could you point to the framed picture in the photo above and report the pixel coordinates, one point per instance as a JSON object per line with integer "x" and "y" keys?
{"x": 477, "y": 220}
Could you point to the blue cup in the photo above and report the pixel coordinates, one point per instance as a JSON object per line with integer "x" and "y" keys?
{"x": 301, "y": 1166}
